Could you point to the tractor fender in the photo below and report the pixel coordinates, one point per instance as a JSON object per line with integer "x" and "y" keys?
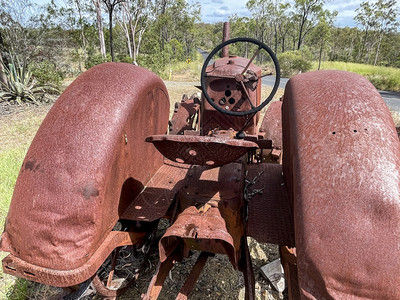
{"x": 85, "y": 165}
{"x": 342, "y": 168}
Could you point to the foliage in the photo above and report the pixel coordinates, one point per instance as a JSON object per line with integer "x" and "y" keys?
{"x": 19, "y": 290}
{"x": 294, "y": 62}
{"x": 95, "y": 59}
{"x": 45, "y": 72}
{"x": 376, "y": 19}
{"x": 22, "y": 87}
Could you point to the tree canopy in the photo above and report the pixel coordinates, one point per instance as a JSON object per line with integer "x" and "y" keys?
{"x": 66, "y": 39}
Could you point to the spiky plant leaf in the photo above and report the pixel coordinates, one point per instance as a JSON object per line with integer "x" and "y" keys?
{"x": 22, "y": 87}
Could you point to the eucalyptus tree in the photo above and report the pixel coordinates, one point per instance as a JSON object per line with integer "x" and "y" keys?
{"x": 260, "y": 10}
{"x": 134, "y": 17}
{"x": 321, "y": 35}
{"x": 99, "y": 20}
{"x": 306, "y": 14}
{"x": 365, "y": 18}
{"x": 376, "y": 20}
{"x": 386, "y": 13}
{"x": 111, "y": 5}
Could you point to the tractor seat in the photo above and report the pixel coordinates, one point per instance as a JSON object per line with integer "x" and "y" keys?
{"x": 201, "y": 150}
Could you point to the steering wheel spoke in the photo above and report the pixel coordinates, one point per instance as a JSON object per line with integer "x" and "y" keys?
{"x": 268, "y": 74}
{"x": 251, "y": 60}
{"x": 247, "y": 94}
{"x": 243, "y": 78}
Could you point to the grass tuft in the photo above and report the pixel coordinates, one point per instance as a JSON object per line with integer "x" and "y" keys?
{"x": 383, "y": 78}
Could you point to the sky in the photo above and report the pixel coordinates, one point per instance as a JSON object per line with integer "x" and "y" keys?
{"x": 219, "y": 10}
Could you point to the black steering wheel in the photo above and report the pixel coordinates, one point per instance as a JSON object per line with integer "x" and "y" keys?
{"x": 242, "y": 78}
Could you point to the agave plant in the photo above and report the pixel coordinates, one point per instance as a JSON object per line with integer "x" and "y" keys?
{"x": 21, "y": 86}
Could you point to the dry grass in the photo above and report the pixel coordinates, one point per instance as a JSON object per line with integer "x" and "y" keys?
{"x": 19, "y": 126}
{"x": 396, "y": 117}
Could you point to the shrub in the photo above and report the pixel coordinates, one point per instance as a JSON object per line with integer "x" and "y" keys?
{"x": 45, "y": 72}
{"x": 124, "y": 58}
{"x": 96, "y": 59}
{"x": 294, "y": 62}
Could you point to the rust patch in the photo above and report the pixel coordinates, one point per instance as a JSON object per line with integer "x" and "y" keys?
{"x": 31, "y": 165}
{"x": 90, "y": 191}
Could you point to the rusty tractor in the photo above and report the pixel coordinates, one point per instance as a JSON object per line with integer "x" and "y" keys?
{"x": 317, "y": 174}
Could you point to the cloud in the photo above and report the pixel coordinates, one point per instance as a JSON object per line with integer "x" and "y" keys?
{"x": 220, "y": 10}
{"x": 343, "y": 5}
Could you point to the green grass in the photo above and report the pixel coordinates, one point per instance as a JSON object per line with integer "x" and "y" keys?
{"x": 383, "y": 78}
{"x": 184, "y": 71}
{"x": 15, "y": 290}
{"x": 10, "y": 163}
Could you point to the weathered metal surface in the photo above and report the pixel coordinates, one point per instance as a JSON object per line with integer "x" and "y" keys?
{"x": 270, "y": 217}
{"x": 223, "y": 88}
{"x": 204, "y": 184}
{"x": 200, "y": 150}
{"x": 191, "y": 280}
{"x": 84, "y": 167}
{"x": 341, "y": 165}
{"x": 289, "y": 264}
{"x": 184, "y": 116}
{"x": 247, "y": 269}
{"x": 153, "y": 202}
{"x": 210, "y": 220}
{"x": 272, "y": 124}
{"x": 198, "y": 230}
{"x": 161, "y": 273}
{"x": 226, "y": 32}
{"x": 63, "y": 278}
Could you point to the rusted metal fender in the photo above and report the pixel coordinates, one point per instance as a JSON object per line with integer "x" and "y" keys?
{"x": 86, "y": 164}
{"x": 341, "y": 165}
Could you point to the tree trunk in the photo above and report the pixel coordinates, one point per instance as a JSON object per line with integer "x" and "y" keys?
{"x": 110, "y": 12}
{"x": 363, "y": 45}
{"x": 141, "y": 32}
{"x": 133, "y": 33}
{"x": 320, "y": 54}
{"x": 127, "y": 20}
{"x": 100, "y": 28}
{"x": 83, "y": 38}
{"x": 275, "y": 39}
{"x": 128, "y": 38}
{"x": 377, "y": 50}
{"x": 300, "y": 36}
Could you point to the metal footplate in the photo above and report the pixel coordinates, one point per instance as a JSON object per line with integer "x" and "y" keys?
{"x": 270, "y": 218}
{"x": 201, "y": 150}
